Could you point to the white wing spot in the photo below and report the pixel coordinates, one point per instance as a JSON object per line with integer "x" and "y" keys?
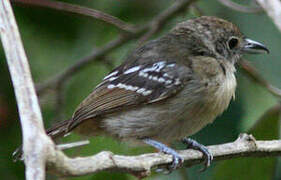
{"x": 177, "y": 82}
{"x": 112, "y": 78}
{"x": 136, "y": 89}
{"x": 132, "y": 88}
{"x": 167, "y": 75}
{"x": 111, "y": 86}
{"x": 161, "y": 80}
{"x": 133, "y": 69}
{"x": 155, "y": 78}
{"x": 147, "y": 92}
{"x": 155, "y": 67}
{"x": 142, "y": 74}
{"x": 110, "y": 75}
{"x": 168, "y": 82}
{"x": 141, "y": 90}
{"x": 171, "y": 65}
{"x": 123, "y": 86}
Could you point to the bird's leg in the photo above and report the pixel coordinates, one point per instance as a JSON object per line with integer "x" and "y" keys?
{"x": 192, "y": 144}
{"x": 177, "y": 160}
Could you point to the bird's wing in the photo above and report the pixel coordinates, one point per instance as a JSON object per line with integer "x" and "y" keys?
{"x": 127, "y": 87}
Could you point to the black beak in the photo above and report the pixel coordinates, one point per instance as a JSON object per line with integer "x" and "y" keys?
{"x": 254, "y": 47}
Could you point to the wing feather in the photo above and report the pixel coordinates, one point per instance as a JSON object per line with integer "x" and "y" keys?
{"x": 132, "y": 86}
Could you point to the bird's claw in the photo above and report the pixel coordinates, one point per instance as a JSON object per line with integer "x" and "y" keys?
{"x": 177, "y": 162}
{"x": 192, "y": 144}
{"x": 177, "y": 159}
{"x": 208, "y": 159}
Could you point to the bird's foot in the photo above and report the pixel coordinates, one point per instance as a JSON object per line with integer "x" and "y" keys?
{"x": 192, "y": 144}
{"x": 177, "y": 159}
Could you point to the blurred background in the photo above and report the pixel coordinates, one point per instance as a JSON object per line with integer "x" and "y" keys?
{"x": 55, "y": 40}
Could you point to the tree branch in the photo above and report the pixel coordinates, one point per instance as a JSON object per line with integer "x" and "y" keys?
{"x": 62, "y": 6}
{"x": 140, "y": 166}
{"x": 273, "y": 10}
{"x": 159, "y": 20}
{"x": 34, "y": 142}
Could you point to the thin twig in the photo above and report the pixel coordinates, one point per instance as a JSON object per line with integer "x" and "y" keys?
{"x": 238, "y": 7}
{"x": 160, "y": 20}
{"x": 62, "y": 6}
{"x": 72, "y": 145}
{"x": 273, "y": 9}
{"x": 251, "y": 72}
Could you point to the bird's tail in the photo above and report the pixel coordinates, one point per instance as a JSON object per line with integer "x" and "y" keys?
{"x": 57, "y": 130}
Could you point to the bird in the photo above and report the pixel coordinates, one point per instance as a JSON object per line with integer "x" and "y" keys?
{"x": 167, "y": 89}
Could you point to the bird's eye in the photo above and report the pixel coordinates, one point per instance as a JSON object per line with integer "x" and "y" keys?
{"x": 233, "y": 42}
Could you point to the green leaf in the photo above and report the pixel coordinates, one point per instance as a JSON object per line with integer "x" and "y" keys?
{"x": 266, "y": 128}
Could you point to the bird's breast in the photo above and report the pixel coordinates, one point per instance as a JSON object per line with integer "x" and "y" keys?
{"x": 223, "y": 91}
{"x": 202, "y": 107}
{"x": 218, "y": 81}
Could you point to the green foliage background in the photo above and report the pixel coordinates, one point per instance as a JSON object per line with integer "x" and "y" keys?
{"x": 54, "y": 40}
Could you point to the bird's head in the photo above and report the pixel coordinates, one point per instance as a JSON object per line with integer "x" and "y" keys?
{"x": 215, "y": 37}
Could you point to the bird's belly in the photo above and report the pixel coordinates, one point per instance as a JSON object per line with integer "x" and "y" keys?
{"x": 157, "y": 123}
{"x": 172, "y": 119}
{"x": 193, "y": 119}
{"x": 188, "y": 124}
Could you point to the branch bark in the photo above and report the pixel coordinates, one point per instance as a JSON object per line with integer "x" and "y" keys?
{"x": 273, "y": 10}
{"x": 35, "y": 143}
{"x": 140, "y": 166}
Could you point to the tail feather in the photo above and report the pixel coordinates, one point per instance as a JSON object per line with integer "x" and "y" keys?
{"x": 58, "y": 130}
